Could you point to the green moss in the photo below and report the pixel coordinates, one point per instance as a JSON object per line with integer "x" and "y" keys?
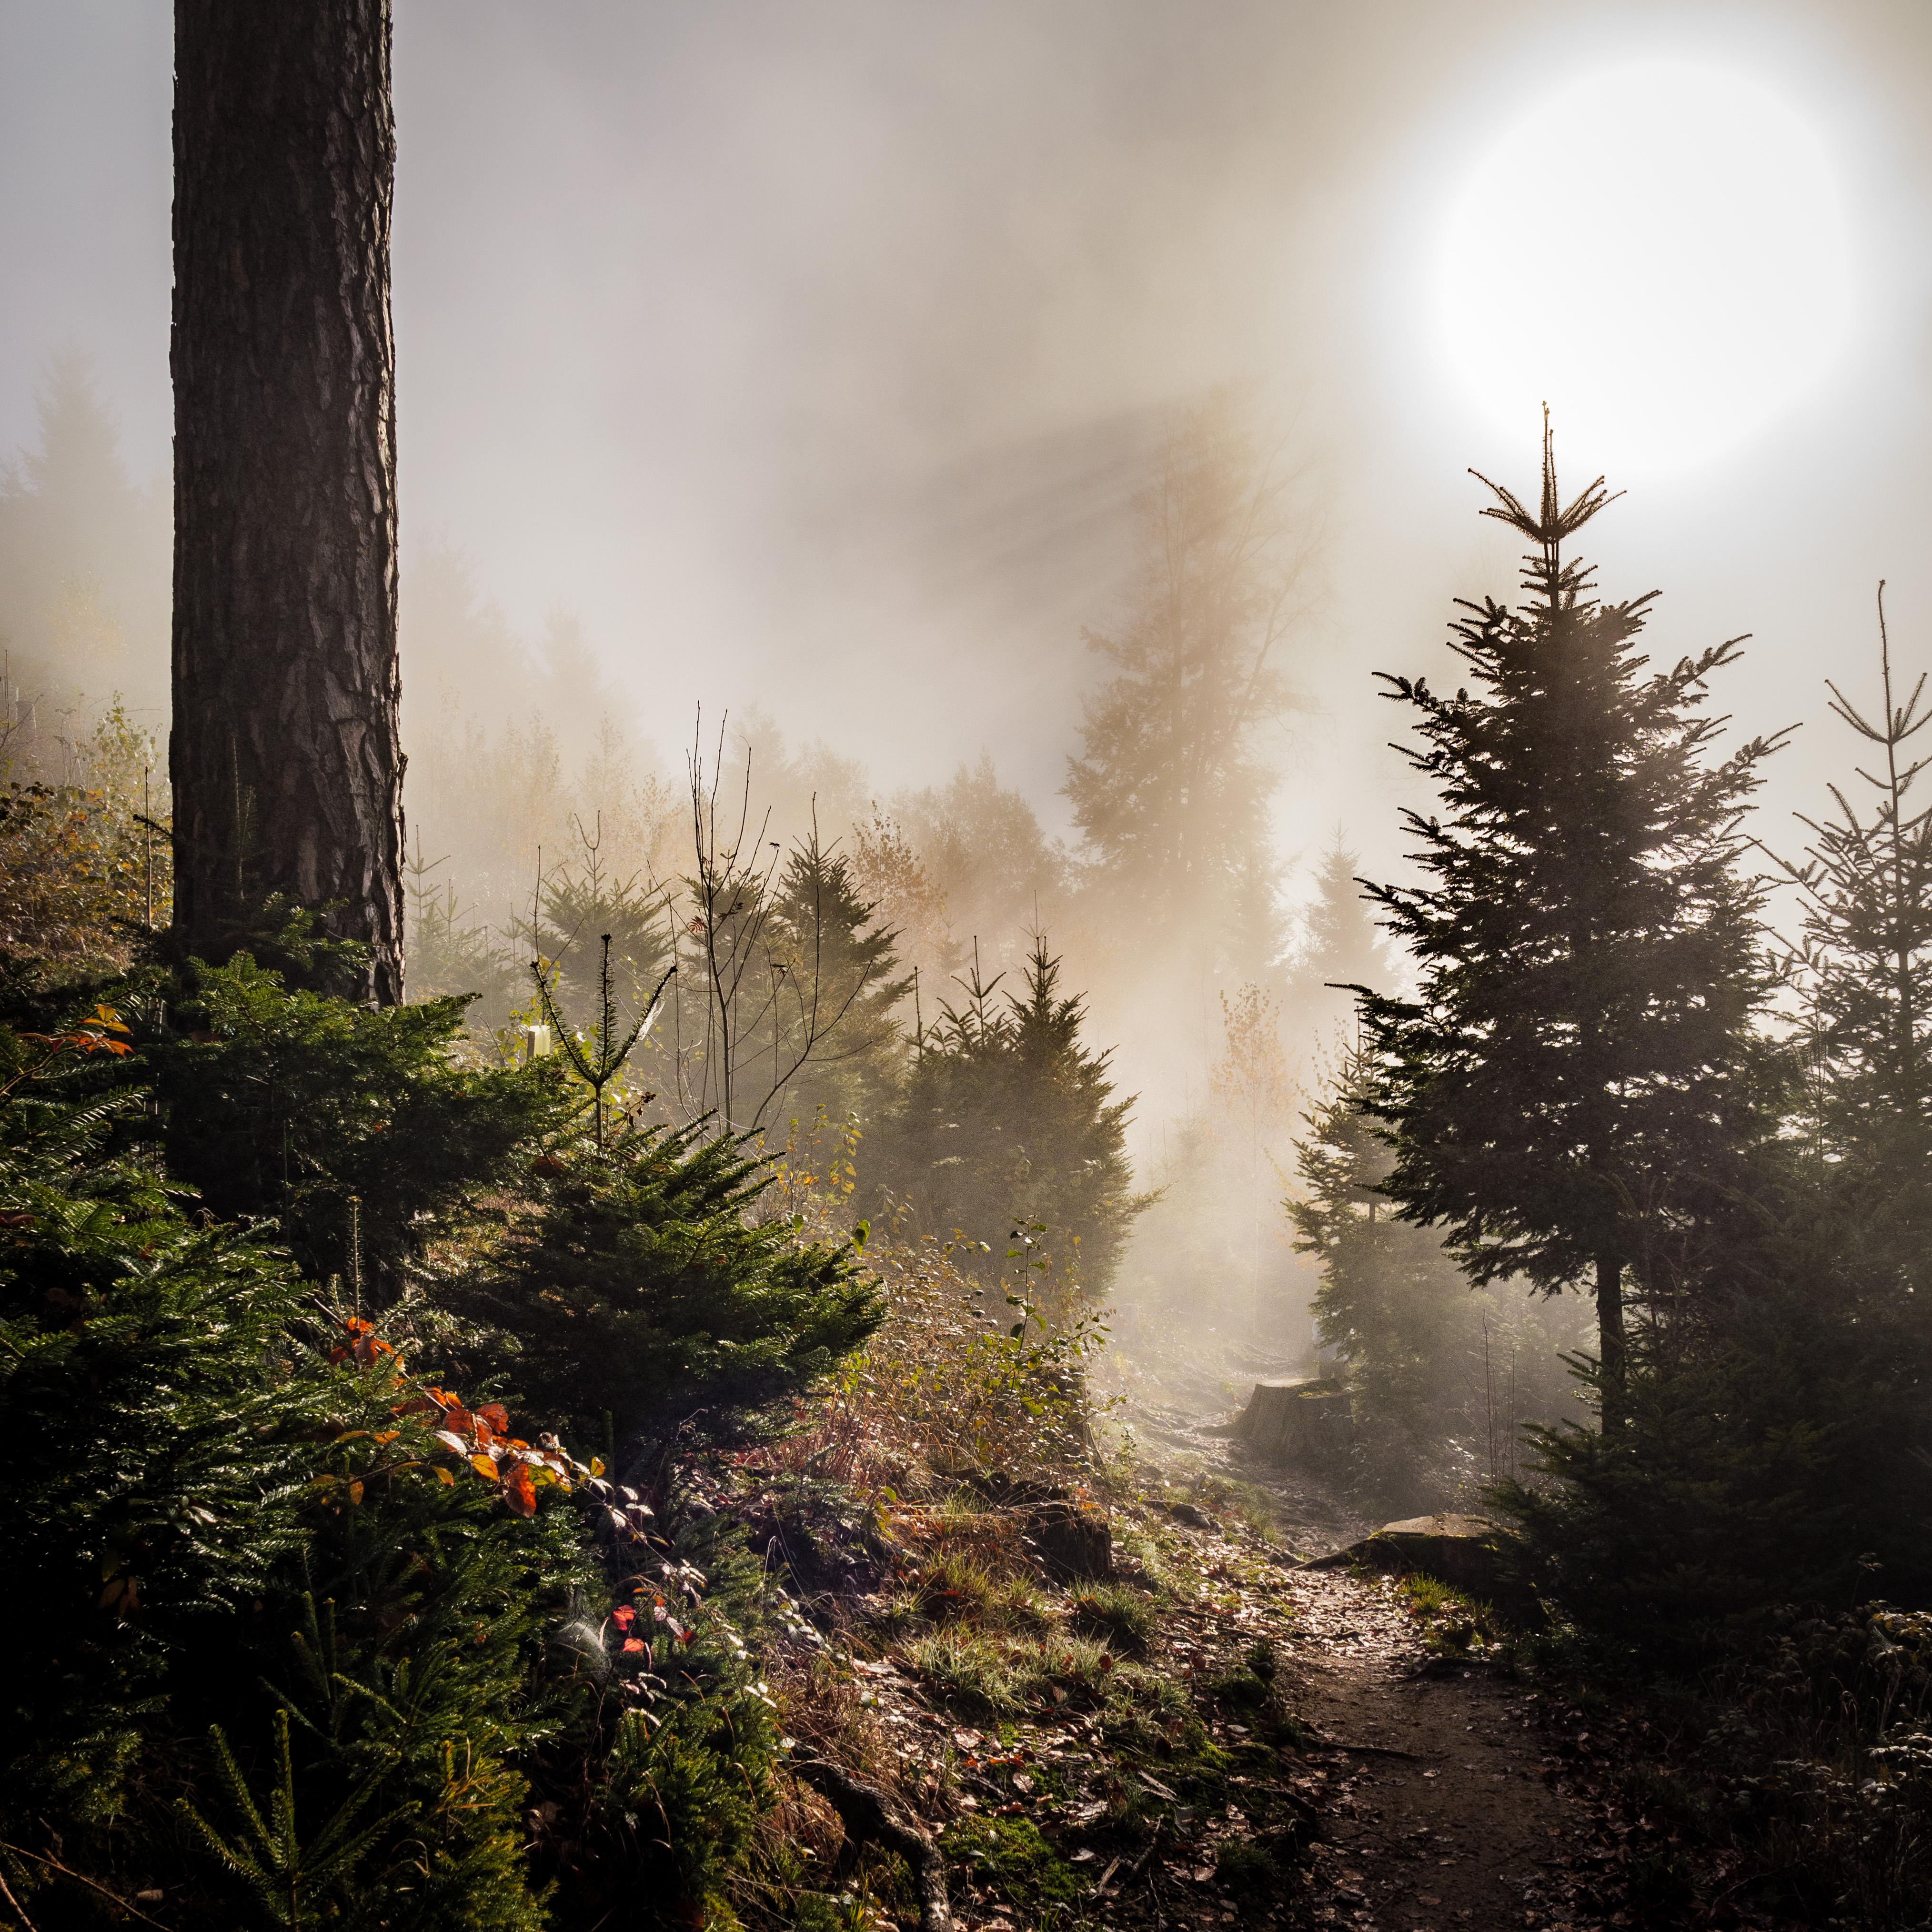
{"x": 1010, "y": 1854}
{"x": 1240, "y": 1690}
{"x": 1244, "y": 1866}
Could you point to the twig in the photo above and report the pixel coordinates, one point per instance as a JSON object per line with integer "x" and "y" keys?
{"x": 1366, "y": 1751}
{"x": 18, "y": 1910}
{"x": 79, "y": 1878}
{"x": 861, "y": 1810}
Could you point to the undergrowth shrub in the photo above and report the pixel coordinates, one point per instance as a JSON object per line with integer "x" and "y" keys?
{"x": 1780, "y": 1458}
{"x": 82, "y": 878}
{"x": 279, "y": 1102}
{"x": 1806, "y": 1760}
{"x": 945, "y": 1385}
{"x": 143, "y": 1434}
{"x": 404, "y": 1652}
{"x": 297, "y": 1637}
{"x": 236, "y": 1571}
{"x": 636, "y": 1290}
{"x": 649, "y": 1800}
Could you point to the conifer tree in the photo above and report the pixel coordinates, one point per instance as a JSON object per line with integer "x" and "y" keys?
{"x": 837, "y": 990}
{"x": 1008, "y": 1118}
{"x": 1868, "y": 956}
{"x": 1172, "y": 785}
{"x": 83, "y": 560}
{"x": 1441, "y": 1376}
{"x": 983, "y": 851}
{"x": 1574, "y": 1067}
{"x": 1340, "y": 948}
{"x": 579, "y": 904}
{"x": 1391, "y": 1303}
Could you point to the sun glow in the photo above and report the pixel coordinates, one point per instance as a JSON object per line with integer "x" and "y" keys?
{"x": 1660, "y": 252}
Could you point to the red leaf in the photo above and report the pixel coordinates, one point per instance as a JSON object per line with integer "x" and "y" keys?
{"x": 496, "y": 1416}
{"x": 519, "y": 1492}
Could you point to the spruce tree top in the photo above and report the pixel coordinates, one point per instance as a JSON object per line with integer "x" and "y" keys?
{"x": 1572, "y": 1070}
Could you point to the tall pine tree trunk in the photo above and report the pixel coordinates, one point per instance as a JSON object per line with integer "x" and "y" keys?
{"x": 286, "y": 756}
{"x": 1612, "y": 1349}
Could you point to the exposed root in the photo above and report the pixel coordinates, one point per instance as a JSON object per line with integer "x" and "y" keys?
{"x": 861, "y": 1810}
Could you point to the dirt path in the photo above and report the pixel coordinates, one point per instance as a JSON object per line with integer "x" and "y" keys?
{"x": 1459, "y": 1816}
{"x": 1464, "y": 1828}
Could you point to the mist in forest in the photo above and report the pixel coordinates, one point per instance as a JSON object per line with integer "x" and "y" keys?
{"x": 988, "y": 454}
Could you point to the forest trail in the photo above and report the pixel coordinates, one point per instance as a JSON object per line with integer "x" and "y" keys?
{"x": 1459, "y": 1811}
{"x": 1458, "y": 1825}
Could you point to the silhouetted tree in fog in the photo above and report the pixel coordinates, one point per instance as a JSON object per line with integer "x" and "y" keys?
{"x": 1341, "y": 947}
{"x": 1442, "y": 1377}
{"x": 1572, "y": 1070}
{"x": 1173, "y": 783}
{"x": 981, "y": 845}
{"x": 285, "y": 758}
{"x": 838, "y": 991}
{"x": 1868, "y": 883}
{"x": 83, "y": 560}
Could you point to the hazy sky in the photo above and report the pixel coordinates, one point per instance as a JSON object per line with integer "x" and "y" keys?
{"x": 808, "y": 352}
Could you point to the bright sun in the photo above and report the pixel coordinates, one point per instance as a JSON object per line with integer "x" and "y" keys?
{"x": 1660, "y": 253}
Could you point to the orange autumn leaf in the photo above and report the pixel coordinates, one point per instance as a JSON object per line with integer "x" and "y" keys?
{"x": 519, "y": 1492}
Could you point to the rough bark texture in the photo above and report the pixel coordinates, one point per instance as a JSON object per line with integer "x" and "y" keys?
{"x": 286, "y": 756}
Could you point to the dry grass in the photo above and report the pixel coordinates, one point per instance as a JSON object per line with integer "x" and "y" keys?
{"x": 941, "y": 1391}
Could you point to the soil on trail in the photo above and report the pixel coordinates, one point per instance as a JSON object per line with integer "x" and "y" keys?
{"x": 1446, "y": 1815}
{"x": 1453, "y": 1812}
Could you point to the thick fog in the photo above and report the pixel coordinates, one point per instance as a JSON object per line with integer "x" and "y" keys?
{"x": 804, "y": 364}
